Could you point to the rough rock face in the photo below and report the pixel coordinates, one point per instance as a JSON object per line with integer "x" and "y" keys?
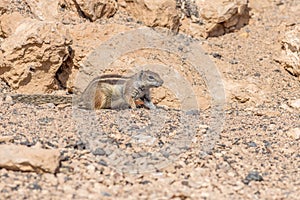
{"x": 86, "y": 38}
{"x": 290, "y": 57}
{"x": 91, "y": 9}
{"x": 198, "y": 18}
{"x": 9, "y": 23}
{"x": 58, "y": 9}
{"x": 153, "y": 13}
{"x": 32, "y": 55}
{"x": 38, "y": 52}
{"x": 44, "y": 43}
{"x": 16, "y": 157}
{"x": 213, "y": 18}
{"x": 44, "y": 10}
{"x": 223, "y": 16}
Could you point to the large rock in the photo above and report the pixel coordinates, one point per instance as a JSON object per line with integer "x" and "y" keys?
{"x": 9, "y": 23}
{"x": 34, "y": 159}
{"x": 214, "y": 18}
{"x": 90, "y": 9}
{"x": 290, "y": 57}
{"x": 154, "y": 13}
{"x": 68, "y": 11}
{"x": 47, "y": 55}
{"x": 243, "y": 91}
{"x": 32, "y": 55}
{"x": 44, "y": 10}
{"x": 86, "y": 38}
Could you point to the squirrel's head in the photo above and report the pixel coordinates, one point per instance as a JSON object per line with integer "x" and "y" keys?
{"x": 150, "y": 79}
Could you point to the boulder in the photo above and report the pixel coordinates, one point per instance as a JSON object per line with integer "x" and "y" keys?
{"x": 43, "y": 56}
{"x": 154, "y": 13}
{"x": 290, "y": 55}
{"x": 9, "y": 23}
{"x": 44, "y": 10}
{"x": 91, "y": 9}
{"x": 29, "y": 159}
{"x": 32, "y": 55}
{"x": 214, "y": 18}
{"x": 71, "y": 11}
{"x": 87, "y": 37}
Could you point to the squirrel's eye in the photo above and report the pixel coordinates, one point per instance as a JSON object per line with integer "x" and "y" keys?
{"x": 151, "y": 77}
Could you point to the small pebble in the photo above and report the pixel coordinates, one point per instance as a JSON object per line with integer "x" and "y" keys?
{"x": 102, "y": 162}
{"x": 99, "y": 152}
{"x": 233, "y": 61}
{"x": 252, "y": 144}
{"x": 8, "y": 99}
{"x": 216, "y": 55}
{"x": 252, "y": 176}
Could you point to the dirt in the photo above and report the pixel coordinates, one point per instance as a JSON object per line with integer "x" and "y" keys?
{"x": 252, "y": 158}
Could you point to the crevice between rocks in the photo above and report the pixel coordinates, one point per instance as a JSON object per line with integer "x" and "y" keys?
{"x": 63, "y": 73}
{"x": 80, "y": 12}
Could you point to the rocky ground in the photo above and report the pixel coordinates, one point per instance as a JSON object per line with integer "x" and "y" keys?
{"x": 124, "y": 154}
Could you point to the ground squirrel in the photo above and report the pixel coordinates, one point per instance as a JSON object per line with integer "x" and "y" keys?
{"x": 119, "y": 92}
{"x": 107, "y": 91}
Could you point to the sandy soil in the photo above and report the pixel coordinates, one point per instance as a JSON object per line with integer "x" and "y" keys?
{"x": 254, "y": 157}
